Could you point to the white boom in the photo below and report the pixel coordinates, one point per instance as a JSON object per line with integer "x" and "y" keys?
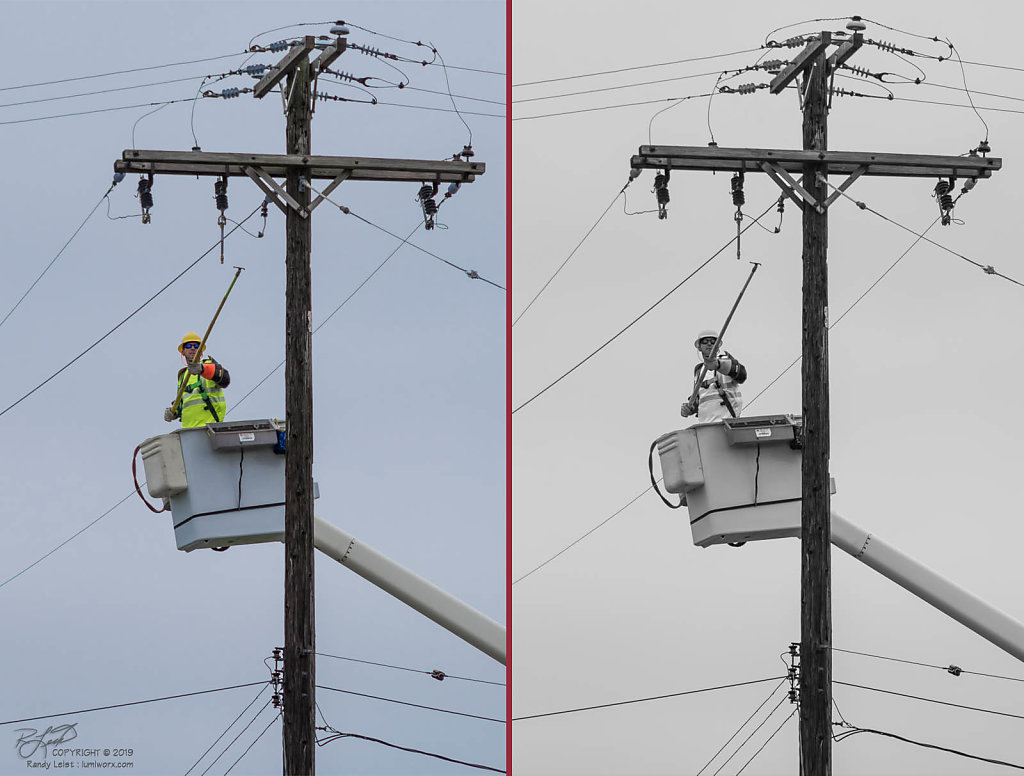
{"x": 984, "y": 619}
{"x": 428, "y": 599}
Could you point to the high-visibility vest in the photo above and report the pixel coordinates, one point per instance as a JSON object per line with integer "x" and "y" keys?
{"x": 199, "y": 398}
{"x": 719, "y": 392}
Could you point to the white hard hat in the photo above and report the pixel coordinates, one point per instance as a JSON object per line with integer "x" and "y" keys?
{"x": 703, "y": 334}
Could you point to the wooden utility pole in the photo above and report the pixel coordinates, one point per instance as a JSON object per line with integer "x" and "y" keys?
{"x": 298, "y": 167}
{"x": 299, "y": 714}
{"x": 815, "y": 67}
{"x": 815, "y": 536}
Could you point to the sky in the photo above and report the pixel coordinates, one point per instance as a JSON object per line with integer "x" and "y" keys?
{"x": 409, "y": 384}
{"x": 923, "y": 371}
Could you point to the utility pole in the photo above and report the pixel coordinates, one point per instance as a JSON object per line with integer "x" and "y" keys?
{"x": 815, "y": 68}
{"x": 299, "y": 713}
{"x": 815, "y": 536}
{"x": 299, "y": 167}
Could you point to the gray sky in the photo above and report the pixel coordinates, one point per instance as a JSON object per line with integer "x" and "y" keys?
{"x": 409, "y": 385}
{"x": 924, "y": 373}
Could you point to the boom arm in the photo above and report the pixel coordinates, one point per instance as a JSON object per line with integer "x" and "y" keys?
{"x": 988, "y": 622}
{"x": 428, "y": 599}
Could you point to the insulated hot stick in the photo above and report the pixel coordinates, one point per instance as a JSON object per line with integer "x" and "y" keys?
{"x": 202, "y": 345}
{"x": 718, "y": 342}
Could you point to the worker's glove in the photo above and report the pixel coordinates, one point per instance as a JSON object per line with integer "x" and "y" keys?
{"x": 713, "y": 365}
{"x": 688, "y": 409}
{"x": 169, "y": 415}
{"x": 195, "y": 367}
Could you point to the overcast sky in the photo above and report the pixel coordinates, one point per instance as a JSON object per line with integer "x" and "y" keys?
{"x": 924, "y": 374}
{"x": 409, "y": 383}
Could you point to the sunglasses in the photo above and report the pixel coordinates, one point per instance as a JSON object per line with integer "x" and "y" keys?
{"x": 190, "y": 345}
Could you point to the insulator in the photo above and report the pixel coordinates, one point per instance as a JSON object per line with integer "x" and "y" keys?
{"x": 746, "y": 88}
{"x": 452, "y": 188}
{"x": 145, "y": 193}
{"x": 984, "y": 147}
{"x": 467, "y": 152}
{"x": 426, "y": 199}
{"x": 661, "y": 193}
{"x": 280, "y": 45}
{"x": 862, "y": 72}
{"x": 794, "y": 42}
{"x": 339, "y": 29}
{"x": 118, "y": 177}
{"x": 263, "y": 207}
{"x": 254, "y": 69}
{"x": 220, "y": 194}
{"x": 230, "y": 92}
{"x": 969, "y": 184}
{"x": 773, "y": 64}
{"x": 856, "y": 24}
{"x": 738, "y": 199}
{"x": 945, "y": 200}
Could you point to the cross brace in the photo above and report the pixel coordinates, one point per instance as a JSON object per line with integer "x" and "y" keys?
{"x": 263, "y": 168}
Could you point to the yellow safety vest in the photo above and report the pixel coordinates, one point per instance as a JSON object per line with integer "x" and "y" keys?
{"x": 199, "y": 396}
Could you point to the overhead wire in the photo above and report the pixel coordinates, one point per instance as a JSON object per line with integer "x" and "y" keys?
{"x": 761, "y": 749}
{"x": 628, "y": 326}
{"x": 240, "y": 734}
{"x": 752, "y": 733}
{"x": 133, "y": 703}
{"x": 946, "y": 669}
{"x": 855, "y": 730}
{"x": 931, "y": 700}
{"x": 338, "y": 735}
{"x": 59, "y": 253}
{"x": 236, "y": 762}
{"x": 571, "y": 254}
{"x": 611, "y": 107}
{"x": 645, "y": 700}
{"x": 436, "y": 674}
{"x": 128, "y": 317}
{"x": 217, "y": 740}
{"x": 121, "y": 72}
{"x": 740, "y": 728}
{"x": 97, "y": 110}
{"x": 614, "y": 88}
{"x": 414, "y": 705}
{"x": 637, "y": 67}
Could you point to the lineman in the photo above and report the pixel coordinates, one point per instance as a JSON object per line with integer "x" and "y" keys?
{"x": 719, "y": 394}
{"x": 202, "y": 400}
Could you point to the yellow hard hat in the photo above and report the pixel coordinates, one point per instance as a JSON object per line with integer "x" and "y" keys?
{"x": 190, "y": 337}
{"x": 702, "y": 335}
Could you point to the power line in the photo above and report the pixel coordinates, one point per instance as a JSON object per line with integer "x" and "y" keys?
{"x": 338, "y": 734}
{"x": 442, "y": 110}
{"x": 745, "y": 723}
{"x": 241, "y": 732}
{"x": 130, "y": 315}
{"x": 61, "y": 251}
{"x": 236, "y": 762}
{"x": 414, "y": 705}
{"x": 121, "y": 72}
{"x": 615, "y": 514}
{"x": 251, "y": 703}
{"x": 637, "y": 67}
{"x": 571, "y": 253}
{"x": 97, "y": 110}
{"x": 948, "y": 669}
{"x": 622, "y": 331}
{"x": 846, "y": 734}
{"x": 754, "y": 731}
{"x": 610, "y": 107}
{"x": 988, "y": 269}
{"x": 787, "y": 719}
{"x": 644, "y": 700}
{"x": 613, "y": 88}
{"x": 932, "y": 700}
{"x": 435, "y": 674}
{"x": 106, "y": 91}
{"x": 133, "y": 703}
